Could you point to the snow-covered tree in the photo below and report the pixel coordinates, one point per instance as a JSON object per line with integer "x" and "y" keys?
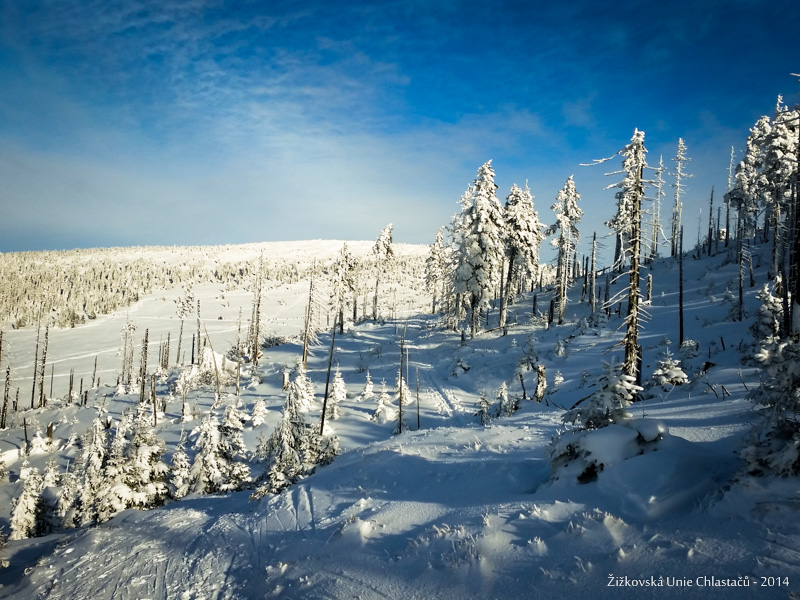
{"x": 293, "y": 450}
{"x": 383, "y": 412}
{"x": 568, "y": 215}
{"x": 656, "y": 230}
{"x": 629, "y": 197}
{"x": 135, "y": 475}
{"x": 627, "y": 222}
{"x": 780, "y": 155}
{"x": 484, "y": 409}
{"x": 344, "y": 282}
{"x": 207, "y": 474}
{"x": 27, "y": 509}
{"x": 524, "y": 235}
{"x": 767, "y": 325}
{"x": 774, "y": 444}
{"x": 338, "y": 395}
{"x": 680, "y": 187}
{"x": 367, "y": 393}
{"x": 481, "y": 244}
{"x": 66, "y": 502}
{"x": 91, "y": 465}
{"x": 304, "y": 388}
{"x": 505, "y": 406}
{"x": 668, "y": 372}
{"x": 383, "y": 252}
{"x": 615, "y": 392}
{"x": 179, "y": 477}
{"x": 436, "y": 268}
{"x": 259, "y": 412}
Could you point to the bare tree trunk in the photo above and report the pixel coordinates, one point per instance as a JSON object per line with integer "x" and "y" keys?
{"x": 4, "y": 414}
{"x": 328, "y": 377}
{"x": 680, "y": 287}
{"x": 180, "y": 339}
{"x": 35, "y": 365}
{"x": 143, "y": 367}
{"x": 43, "y": 373}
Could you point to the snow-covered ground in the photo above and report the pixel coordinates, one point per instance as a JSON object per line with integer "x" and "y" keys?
{"x": 450, "y": 508}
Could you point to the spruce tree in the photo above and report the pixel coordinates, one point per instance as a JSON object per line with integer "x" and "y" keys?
{"x": 27, "y": 508}
{"x": 435, "y": 268}
{"x": 680, "y": 187}
{"x": 568, "y": 215}
{"x": 383, "y": 252}
{"x": 481, "y": 245}
{"x": 524, "y": 235}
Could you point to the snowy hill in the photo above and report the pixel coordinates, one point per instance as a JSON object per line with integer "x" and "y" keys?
{"x": 449, "y": 508}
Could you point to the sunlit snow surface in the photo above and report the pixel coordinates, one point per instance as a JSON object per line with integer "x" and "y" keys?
{"x": 454, "y": 509}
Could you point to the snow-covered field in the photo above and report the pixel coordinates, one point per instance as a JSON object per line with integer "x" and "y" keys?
{"x": 450, "y": 508}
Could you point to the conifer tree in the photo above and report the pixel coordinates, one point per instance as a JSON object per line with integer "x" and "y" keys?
{"x": 179, "y": 478}
{"x": 481, "y": 244}
{"x": 524, "y": 235}
{"x": 382, "y": 413}
{"x": 259, "y": 412}
{"x": 484, "y": 409}
{"x": 383, "y": 252}
{"x": 568, "y": 215}
{"x": 614, "y": 394}
{"x": 435, "y": 269}
{"x": 338, "y": 395}
{"x": 367, "y": 393}
{"x": 677, "y": 209}
{"x": 26, "y": 513}
{"x": 207, "y": 474}
{"x": 92, "y": 465}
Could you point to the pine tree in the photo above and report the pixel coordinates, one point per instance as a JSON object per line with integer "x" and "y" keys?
{"x": 656, "y": 217}
{"x": 367, "y": 393}
{"x": 505, "y": 406}
{"x": 305, "y": 389}
{"x": 91, "y": 466}
{"x": 524, "y": 236}
{"x": 631, "y": 194}
{"x": 66, "y": 502}
{"x": 484, "y": 409}
{"x": 344, "y": 283}
{"x": 668, "y": 372}
{"x": 481, "y": 244}
{"x": 680, "y": 161}
{"x": 233, "y": 451}
{"x": 435, "y": 269}
{"x": 774, "y": 444}
{"x": 259, "y": 412}
{"x": 383, "y": 251}
{"x": 568, "y": 215}
{"x": 383, "y": 413}
{"x": 207, "y": 474}
{"x": 615, "y": 392}
{"x": 338, "y": 395}
{"x": 179, "y": 478}
{"x": 293, "y": 450}
{"x": 26, "y": 512}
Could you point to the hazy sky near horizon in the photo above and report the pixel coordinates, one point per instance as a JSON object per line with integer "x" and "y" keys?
{"x": 136, "y": 122}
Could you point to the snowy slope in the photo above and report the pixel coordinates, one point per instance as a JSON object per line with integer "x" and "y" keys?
{"x": 455, "y": 509}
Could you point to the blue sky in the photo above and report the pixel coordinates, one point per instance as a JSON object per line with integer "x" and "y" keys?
{"x": 135, "y": 122}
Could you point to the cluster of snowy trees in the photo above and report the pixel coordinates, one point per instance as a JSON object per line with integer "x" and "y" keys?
{"x": 764, "y": 199}
{"x": 492, "y": 252}
{"x": 764, "y": 194}
{"x": 121, "y": 464}
{"x": 67, "y": 288}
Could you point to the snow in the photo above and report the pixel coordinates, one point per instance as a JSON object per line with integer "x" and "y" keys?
{"x": 449, "y": 509}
